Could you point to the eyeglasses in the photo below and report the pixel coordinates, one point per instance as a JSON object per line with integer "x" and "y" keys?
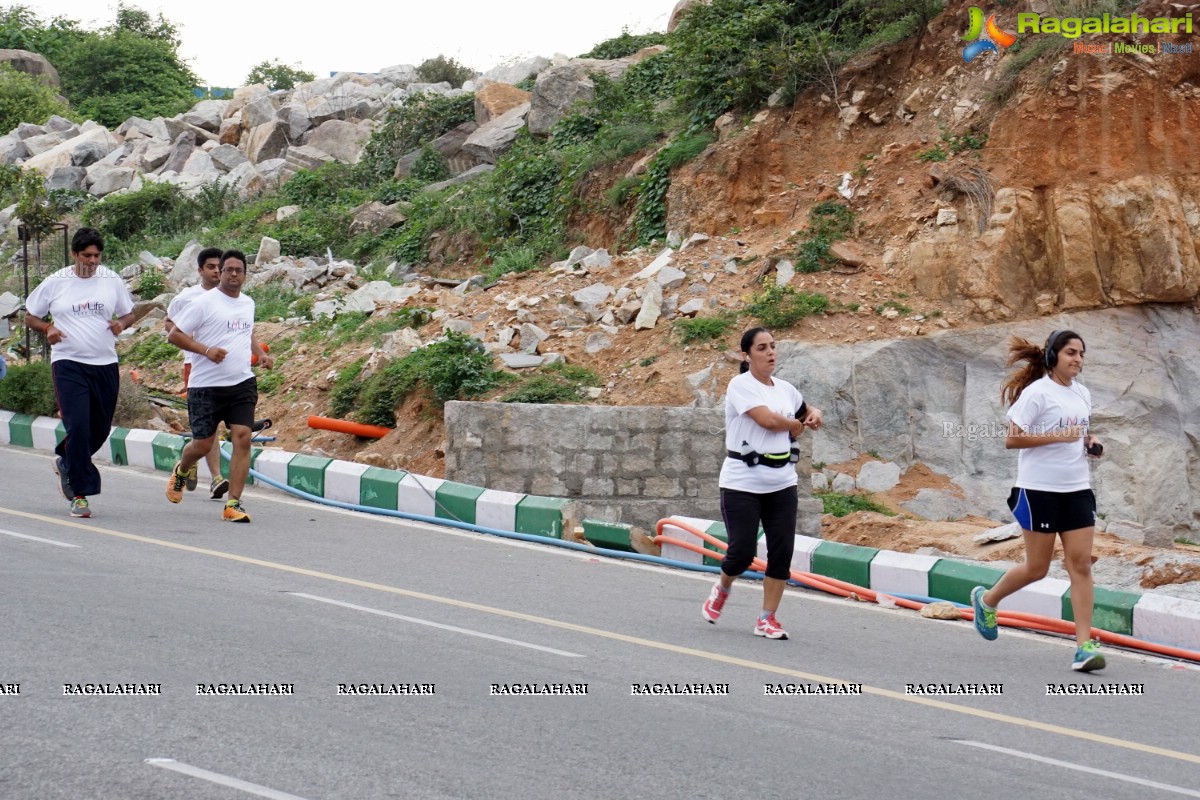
{"x": 233, "y": 270}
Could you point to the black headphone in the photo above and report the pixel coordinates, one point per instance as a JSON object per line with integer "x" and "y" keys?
{"x": 1050, "y": 353}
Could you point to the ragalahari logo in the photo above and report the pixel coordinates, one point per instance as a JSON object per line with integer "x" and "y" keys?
{"x": 984, "y": 37}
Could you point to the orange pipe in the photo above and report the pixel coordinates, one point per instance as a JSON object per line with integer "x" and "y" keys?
{"x": 342, "y": 426}
{"x": 1014, "y": 619}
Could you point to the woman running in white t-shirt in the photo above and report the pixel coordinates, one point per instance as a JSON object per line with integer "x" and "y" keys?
{"x": 1048, "y": 423}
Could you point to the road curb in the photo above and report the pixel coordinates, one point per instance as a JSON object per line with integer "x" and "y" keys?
{"x": 1153, "y": 617}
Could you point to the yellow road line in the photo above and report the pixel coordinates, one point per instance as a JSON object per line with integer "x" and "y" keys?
{"x": 621, "y": 637}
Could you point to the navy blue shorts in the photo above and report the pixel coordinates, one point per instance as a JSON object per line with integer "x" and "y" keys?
{"x": 233, "y": 405}
{"x": 1053, "y": 512}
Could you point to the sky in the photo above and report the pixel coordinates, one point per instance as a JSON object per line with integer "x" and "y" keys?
{"x": 224, "y": 39}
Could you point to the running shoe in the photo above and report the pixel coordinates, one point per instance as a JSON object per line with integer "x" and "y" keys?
{"x": 769, "y": 627}
{"x": 79, "y": 508}
{"x": 64, "y": 481}
{"x": 1087, "y": 657}
{"x": 218, "y": 488}
{"x": 192, "y": 477}
{"x": 234, "y": 511}
{"x": 715, "y": 602}
{"x": 985, "y": 616}
{"x": 175, "y": 484}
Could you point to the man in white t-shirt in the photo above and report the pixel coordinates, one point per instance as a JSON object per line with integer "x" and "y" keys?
{"x": 88, "y": 306}
{"x": 208, "y": 265}
{"x": 219, "y": 328}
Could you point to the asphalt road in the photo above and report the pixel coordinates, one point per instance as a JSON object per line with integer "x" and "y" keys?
{"x": 150, "y": 596}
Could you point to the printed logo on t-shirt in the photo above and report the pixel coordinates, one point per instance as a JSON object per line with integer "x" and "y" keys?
{"x": 92, "y": 308}
{"x": 238, "y": 325}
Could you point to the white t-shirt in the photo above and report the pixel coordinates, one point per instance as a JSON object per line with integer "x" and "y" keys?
{"x": 83, "y": 309}
{"x": 180, "y": 302}
{"x": 745, "y": 392}
{"x": 1044, "y": 407}
{"x": 215, "y": 319}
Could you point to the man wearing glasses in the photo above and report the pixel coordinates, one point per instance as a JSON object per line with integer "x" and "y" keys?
{"x": 222, "y": 385}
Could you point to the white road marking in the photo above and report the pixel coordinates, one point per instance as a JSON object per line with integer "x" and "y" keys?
{"x": 36, "y": 539}
{"x": 223, "y": 780}
{"x": 1166, "y": 787}
{"x": 438, "y": 625}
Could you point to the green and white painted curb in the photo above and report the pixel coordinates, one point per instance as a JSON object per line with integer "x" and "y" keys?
{"x": 343, "y": 481}
{"x": 1153, "y": 617}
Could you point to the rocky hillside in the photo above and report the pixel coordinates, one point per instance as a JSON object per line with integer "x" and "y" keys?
{"x": 980, "y": 195}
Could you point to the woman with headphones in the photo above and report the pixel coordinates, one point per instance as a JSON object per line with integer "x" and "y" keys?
{"x": 763, "y": 416}
{"x": 1048, "y": 421}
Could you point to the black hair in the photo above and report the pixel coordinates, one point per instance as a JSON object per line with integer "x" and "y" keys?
{"x": 747, "y": 343}
{"x": 85, "y": 238}
{"x": 206, "y": 254}
{"x": 1036, "y": 362}
{"x": 228, "y": 254}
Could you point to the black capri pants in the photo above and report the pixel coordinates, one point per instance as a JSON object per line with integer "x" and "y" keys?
{"x": 742, "y": 513}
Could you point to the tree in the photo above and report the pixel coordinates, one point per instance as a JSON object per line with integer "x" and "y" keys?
{"x": 24, "y": 98}
{"x": 132, "y": 68}
{"x": 441, "y": 69}
{"x": 278, "y": 76}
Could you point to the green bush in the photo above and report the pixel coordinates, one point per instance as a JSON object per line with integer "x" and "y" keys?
{"x": 123, "y": 72}
{"x": 423, "y": 118}
{"x": 556, "y": 383}
{"x": 276, "y": 75}
{"x": 25, "y": 98}
{"x": 155, "y": 207}
{"x": 441, "y": 69}
{"x": 430, "y": 166}
{"x": 29, "y": 389}
{"x": 704, "y": 329}
{"x": 625, "y": 45}
{"x": 779, "y": 307}
{"x": 344, "y": 395}
{"x": 151, "y": 283}
{"x": 454, "y": 368}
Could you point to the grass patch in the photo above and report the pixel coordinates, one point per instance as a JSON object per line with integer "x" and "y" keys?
{"x": 779, "y": 307}
{"x": 556, "y": 383}
{"x": 840, "y": 504}
{"x": 704, "y": 329}
{"x": 151, "y": 351}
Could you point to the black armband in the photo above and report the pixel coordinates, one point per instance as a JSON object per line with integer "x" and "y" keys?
{"x": 802, "y": 412}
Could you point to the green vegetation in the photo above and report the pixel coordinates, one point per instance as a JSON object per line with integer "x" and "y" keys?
{"x": 893, "y": 304}
{"x": 441, "y": 69}
{"x": 151, "y": 283}
{"x": 704, "y": 329}
{"x": 344, "y": 394}
{"x": 779, "y": 307}
{"x": 276, "y": 75}
{"x": 625, "y": 45}
{"x": 25, "y": 98}
{"x": 454, "y": 368}
{"x": 954, "y": 144}
{"x": 29, "y": 389}
{"x": 828, "y": 221}
{"x": 556, "y": 383}
{"x": 421, "y": 119}
{"x": 358, "y": 326}
{"x": 840, "y": 504}
{"x": 150, "y": 351}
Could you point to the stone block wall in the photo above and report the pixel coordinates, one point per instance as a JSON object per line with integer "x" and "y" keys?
{"x": 633, "y": 465}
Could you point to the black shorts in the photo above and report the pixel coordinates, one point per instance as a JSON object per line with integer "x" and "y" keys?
{"x": 233, "y": 405}
{"x": 1053, "y": 512}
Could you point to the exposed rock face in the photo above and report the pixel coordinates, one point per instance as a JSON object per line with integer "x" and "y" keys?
{"x": 1134, "y": 241}
{"x": 936, "y": 400}
{"x": 31, "y": 64}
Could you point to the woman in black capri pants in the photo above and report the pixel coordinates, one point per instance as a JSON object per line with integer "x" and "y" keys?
{"x": 763, "y": 415}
